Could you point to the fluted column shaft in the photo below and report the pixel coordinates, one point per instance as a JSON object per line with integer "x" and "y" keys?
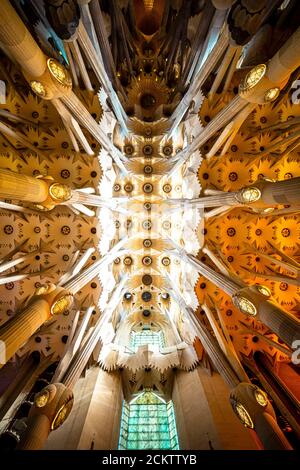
{"x": 276, "y": 73}
{"x": 216, "y": 200}
{"x": 16, "y": 40}
{"x": 51, "y": 408}
{"x": 214, "y": 351}
{"x": 219, "y": 279}
{"x": 285, "y": 325}
{"x": 256, "y": 412}
{"x": 83, "y": 116}
{"x": 220, "y": 120}
{"x": 82, "y": 356}
{"x": 16, "y": 332}
{"x": 246, "y": 399}
{"x": 286, "y": 60}
{"x": 101, "y": 74}
{"x": 62, "y": 391}
{"x": 285, "y": 192}
{"x": 37, "y": 432}
{"x": 24, "y": 188}
{"x": 80, "y": 280}
{"x": 210, "y": 63}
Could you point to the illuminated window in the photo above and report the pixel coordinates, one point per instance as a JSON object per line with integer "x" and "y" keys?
{"x": 139, "y": 338}
{"x": 148, "y": 422}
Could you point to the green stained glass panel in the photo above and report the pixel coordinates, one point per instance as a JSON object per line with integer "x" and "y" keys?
{"x": 148, "y": 423}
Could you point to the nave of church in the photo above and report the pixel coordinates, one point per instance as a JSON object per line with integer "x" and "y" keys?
{"x": 149, "y": 221}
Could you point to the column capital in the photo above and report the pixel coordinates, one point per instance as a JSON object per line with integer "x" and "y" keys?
{"x": 248, "y": 298}
{"x": 258, "y": 88}
{"x": 58, "y": 193}
{"x": 58, "y": 298}
{"x": 55, "y": 401}
{"x": 247, "y": 401}
{"x": 50, "y": 409}
{"x": 55, "y": 82}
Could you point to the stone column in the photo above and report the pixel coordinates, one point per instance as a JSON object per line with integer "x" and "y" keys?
{"x": 16, "y": 40}
{"x": 286, "y": 192}
{"x": 254, "y": 410}
{"x": 252, "y": 301}
{"x": 46, "y": 76}
{"x": 204, "y": 417}
{"x": 214, "y": 351}
{"x": 81, "y": 279}
{"x": 42, "y": 191}
{"x": 51, "y": 408}
{"x": 263, "y": 83}
{"x": 209, "y": 65}
{"x": 261, "y": 195}
{"x": 25, "y": 188}
{"x": 15, "y": 332}
{"x": 94, "y": 422}
{"x": 69, "y": 378}
{"x": 248, "y": 401}
{"x": 16, "y": 377}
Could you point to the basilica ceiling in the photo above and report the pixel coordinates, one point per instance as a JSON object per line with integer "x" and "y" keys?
{"x": 153, "y": 54}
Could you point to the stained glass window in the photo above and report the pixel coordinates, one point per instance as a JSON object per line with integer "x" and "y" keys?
{"x": 148, "y": 422}
{"x": 139, "y": 338}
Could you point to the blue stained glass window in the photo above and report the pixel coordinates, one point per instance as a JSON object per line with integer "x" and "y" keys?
{"x": 148, "y": 422}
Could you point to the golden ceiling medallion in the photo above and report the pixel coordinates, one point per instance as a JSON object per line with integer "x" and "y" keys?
{"x": 148, "y": 169}
{"x": 250, "y": 194}
{"x": 167, "y": 150}
{"x": 42, "y": 398}
{"x": 167, "y": 188}
{"x": 243, "y": 415}
{"x": 264, "y": 290}
{"x": 147, "y": 149}
{"x": 149, "y": 94}
{"x": 38, "y": 88}
{"x": 261, "y": 397}
{"x": 129, "y": 150}
{"x": 166, "y": 261}
{"x": 60, "y": 192}
{"x": 147, "y": 260}
{"x": 128, "y": 187}
{"x": 127, "y": 261}
{"x": 271, "y": 94}
{"x": 253, "y": 77}
{"x": 62, "y": 304}
{"x": 147, "y": 224}
{"x": 62, "y": 414}
{"x": 59, "y": 72}
{"x": 246, "y": 306}
{"x": 147, "y": 188}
